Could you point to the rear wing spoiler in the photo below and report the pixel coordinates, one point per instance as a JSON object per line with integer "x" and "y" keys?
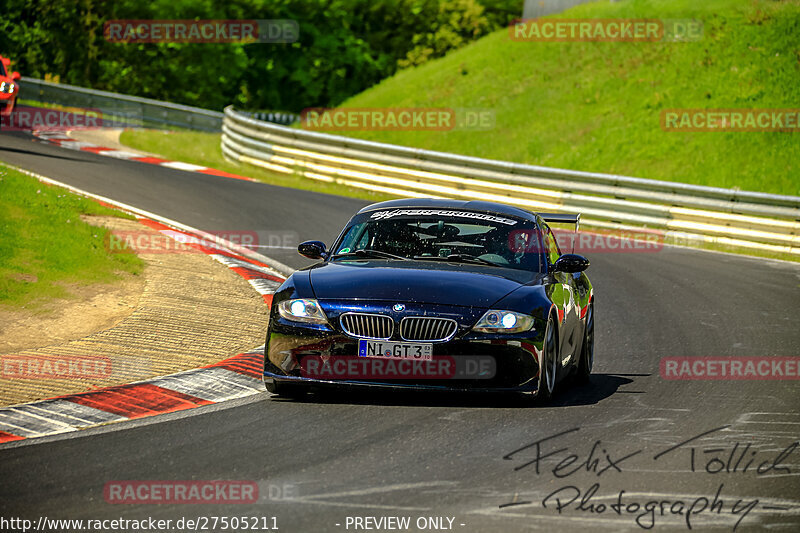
{"x": 562, "y": 218}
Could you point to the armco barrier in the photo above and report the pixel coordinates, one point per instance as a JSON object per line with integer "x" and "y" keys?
{"x": 688, "y": 214}
{"x": 121, "y": 109}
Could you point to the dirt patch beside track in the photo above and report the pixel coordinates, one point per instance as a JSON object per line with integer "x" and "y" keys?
{"x": 89, "y": 309}
{"x": 189, "y": 311}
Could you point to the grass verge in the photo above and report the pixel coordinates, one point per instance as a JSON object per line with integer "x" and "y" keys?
{"x": 45, "y": 246}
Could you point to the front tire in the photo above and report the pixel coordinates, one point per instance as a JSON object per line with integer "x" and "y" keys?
{"x": 548, "y": 364}
{"x": 287, "y": 390}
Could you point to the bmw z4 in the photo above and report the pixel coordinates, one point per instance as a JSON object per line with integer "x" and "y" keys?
{"x": 435, "y": 294}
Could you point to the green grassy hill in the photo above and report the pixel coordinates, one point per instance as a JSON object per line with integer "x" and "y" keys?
{"x": 596, "y": 106}
{"x": 45, "y": 246}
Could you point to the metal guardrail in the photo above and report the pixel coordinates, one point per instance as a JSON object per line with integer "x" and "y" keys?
{"x": 121, "y": 109}
{"x": 687, "y": 214}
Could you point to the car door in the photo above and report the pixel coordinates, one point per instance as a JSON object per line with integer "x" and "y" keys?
{"x": 565, "y": 297}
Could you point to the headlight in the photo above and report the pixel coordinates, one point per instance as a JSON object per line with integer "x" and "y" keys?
{"x": 302, "y": 310}
{"x": 495, "y": 321}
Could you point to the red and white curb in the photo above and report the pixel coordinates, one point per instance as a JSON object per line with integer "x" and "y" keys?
{"x": 236, "y": 377}
{"x": 62, "y": 139}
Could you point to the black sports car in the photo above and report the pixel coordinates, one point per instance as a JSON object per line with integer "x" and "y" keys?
{"x": 434, "y": 294}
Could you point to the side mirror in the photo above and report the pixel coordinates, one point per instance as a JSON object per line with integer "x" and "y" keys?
{"x": 571, "y": 263}
{"x": 312, "y": 250}
{"x": 15, "y": 76}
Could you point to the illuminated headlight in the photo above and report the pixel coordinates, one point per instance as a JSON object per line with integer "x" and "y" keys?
{"x": 494, "y": 321}
{"x": 301, "y": 310}
{"x": 6, "y": 87}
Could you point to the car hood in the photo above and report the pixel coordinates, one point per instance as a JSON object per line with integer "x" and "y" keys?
{"x": 416, "y": 281}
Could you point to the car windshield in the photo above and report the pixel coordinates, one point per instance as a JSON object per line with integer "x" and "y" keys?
{"x": 490, "y": 241}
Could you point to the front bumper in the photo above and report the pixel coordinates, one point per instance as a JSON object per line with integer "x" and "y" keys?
{"x": 293, "y": 353}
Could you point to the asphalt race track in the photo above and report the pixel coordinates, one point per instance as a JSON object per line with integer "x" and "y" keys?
{"x": 474, "y": 460}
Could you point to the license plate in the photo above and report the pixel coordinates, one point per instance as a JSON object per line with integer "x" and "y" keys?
{"x": 395, "y": 350}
